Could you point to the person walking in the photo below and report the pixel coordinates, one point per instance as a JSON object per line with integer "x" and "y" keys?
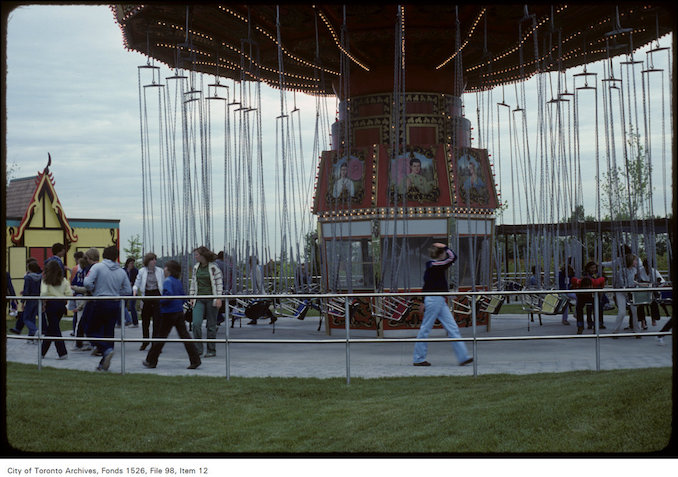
{"x": 206, "y": 280}
{"x": 29, "y": 314}
{"x": 149, "y": 283}
{"x": 13, "y": 305}
{"x": 106, "y": 278}
{"x": 132, "y": 274}
{"x": 172, "y": 316}
{"x": 84, "y": 320}
{"x": 72, "y": 304}
{"x": 58, "y": 255}
{"x": 435, "y": 307}
{"x": 54, "y": 284}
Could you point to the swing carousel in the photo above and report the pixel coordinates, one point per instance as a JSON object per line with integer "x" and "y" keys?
{"x": 403, "y": 167}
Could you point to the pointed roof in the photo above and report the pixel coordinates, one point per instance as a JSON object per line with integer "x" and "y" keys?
{"x": 19, "y": 194}
{"x": 23, "y": 190}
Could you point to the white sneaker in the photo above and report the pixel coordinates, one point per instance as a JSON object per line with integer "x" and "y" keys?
{"x": 660, "y": 340}
{"x": 63, "y": 357}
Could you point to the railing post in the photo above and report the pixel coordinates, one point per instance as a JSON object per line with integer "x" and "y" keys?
{"x": 39, "y": 334}
{"x": 347, "y": 319}
{"x": 596, "y": 318}
{"x": 228, "y": 334}
{"x": 475, "y": 343}
{"x": 122, "y": 336}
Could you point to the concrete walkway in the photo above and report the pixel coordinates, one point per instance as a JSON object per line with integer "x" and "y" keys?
{"x": 376, "y": 360}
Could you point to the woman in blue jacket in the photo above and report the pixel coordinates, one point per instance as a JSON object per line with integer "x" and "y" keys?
{"x": 172, "y": 316}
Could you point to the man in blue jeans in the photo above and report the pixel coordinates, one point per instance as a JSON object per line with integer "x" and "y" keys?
{"x": 435, "y": 307}
{"x": 106, "y": 278}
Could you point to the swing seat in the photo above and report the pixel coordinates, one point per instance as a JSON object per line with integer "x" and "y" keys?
{"x": 236, "y": 311}
{"x": 641, "y": 298}
{"x": 302, "y": 309}
{"x": 530, "y": 303}
{"x": 256, "y": 309}
{"x": 461, "y": 306}
{"x": 391, "y": 308}
{"x": 666, "y": 297}
{"x": 336, "y": 307}
{"x": 551, "y": 304}
{"x": 493, "y": 305}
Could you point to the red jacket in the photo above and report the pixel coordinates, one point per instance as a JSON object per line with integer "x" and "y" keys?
{"x": 587, "y": 282}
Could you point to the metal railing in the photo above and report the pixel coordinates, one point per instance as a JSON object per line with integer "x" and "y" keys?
{"x": 347, "y": 340}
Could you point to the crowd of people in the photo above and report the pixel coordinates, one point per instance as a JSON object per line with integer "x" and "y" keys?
{"x": 627, "y": 272}
{"x": 94, "y": 321}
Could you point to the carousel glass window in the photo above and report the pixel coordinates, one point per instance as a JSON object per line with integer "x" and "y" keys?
{"x": 350, "y": 262}
{"x": 474, "y": 260}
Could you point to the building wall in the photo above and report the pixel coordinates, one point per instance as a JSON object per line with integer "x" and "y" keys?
{"x": 45, "y": 229}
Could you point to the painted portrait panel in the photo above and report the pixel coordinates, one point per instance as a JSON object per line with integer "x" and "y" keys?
{"x": 414, "y": 175}
{"x": 471, "y": 180}
{"x": 346, "y": 180}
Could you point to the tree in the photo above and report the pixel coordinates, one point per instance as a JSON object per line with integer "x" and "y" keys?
{"x": 133, "y": 249}
{"x": 578, "y": 215}
{"x": 627, "y": 188}
{"x": 11, "y": 170}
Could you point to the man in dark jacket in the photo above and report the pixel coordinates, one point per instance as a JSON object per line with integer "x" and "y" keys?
{"x": 435, "y": 307}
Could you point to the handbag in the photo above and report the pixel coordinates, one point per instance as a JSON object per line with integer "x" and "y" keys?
{"x": 188, "y": 313}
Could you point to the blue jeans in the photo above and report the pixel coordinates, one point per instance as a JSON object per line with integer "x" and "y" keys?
{"x": 132, "y": 309}
{"x": 204, "y": 309}
{"x": 435, "y": 307}
{"x": 28, "y": 318}
{"x": 102, "y": 322}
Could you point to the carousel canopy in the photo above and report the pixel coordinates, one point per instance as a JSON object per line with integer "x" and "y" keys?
{"x": 497, "y": 44}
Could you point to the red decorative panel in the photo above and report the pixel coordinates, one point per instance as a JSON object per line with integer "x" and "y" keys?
{"x": 375, "y": 109}
{"x": 422, "y": 134}
{"x": 40, "y": 254}
{"x": 367, "y": 137}
{"x": 419, "y": 107}
{"x": 344, "y": 182}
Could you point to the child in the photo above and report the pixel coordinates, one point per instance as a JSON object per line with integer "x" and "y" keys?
{"x": 10, "y": 292}
{"x": 172, "y": 315}
{"x": 30, "y": 312}
{"x": 54, "y": 284}
{"x": 590, "y": 279}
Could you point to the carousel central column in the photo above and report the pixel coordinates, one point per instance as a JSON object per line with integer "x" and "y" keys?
{"x": 381, "y": 205}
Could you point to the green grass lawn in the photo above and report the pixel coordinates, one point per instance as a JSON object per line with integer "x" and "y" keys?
{"x": 625, "y": 411}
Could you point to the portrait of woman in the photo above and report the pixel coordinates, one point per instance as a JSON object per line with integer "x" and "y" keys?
{"x": 472, "y": 186}
{"x": 346, "y": 179}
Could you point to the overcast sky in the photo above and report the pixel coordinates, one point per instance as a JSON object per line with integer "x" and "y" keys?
{"x": 72, "y": 91}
